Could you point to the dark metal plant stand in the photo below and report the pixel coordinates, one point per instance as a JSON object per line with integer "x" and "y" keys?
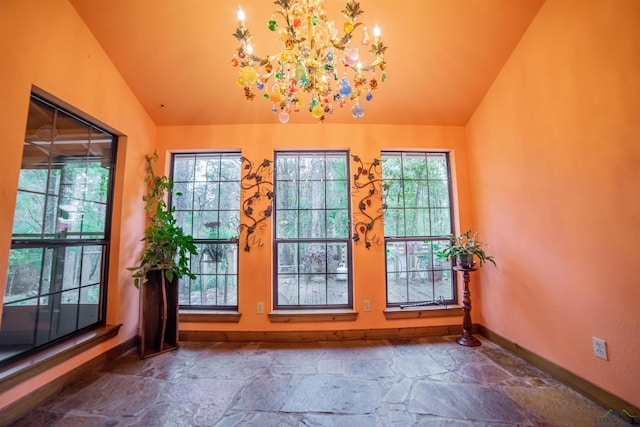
{"x": 467, "y": 339}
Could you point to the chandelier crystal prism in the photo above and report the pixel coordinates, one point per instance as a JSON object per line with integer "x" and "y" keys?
{"x": 319, "y": 67}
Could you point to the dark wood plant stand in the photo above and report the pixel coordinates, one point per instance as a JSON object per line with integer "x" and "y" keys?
{"x": 467, "y": 339}
{"x": 158, "y": 315}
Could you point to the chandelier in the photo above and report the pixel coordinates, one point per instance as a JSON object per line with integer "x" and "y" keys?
{"x": 319, "y": 67}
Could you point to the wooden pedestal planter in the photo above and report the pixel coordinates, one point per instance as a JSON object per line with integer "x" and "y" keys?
{"x": 158, "y": 315}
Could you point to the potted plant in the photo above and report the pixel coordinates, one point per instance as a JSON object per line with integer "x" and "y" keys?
{"x": 164, "y": 260}
{"x": 464, "y": 249}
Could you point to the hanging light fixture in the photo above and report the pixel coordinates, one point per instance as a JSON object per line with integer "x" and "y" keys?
{"x": 319, "y": 67}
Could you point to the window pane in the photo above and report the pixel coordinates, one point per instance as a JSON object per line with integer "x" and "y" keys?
{"x": 335, "y": 194}
{"x": 438, "y": 168}
{"x": 206, "y": 195}
{"x": 206, "y": 224}
{"x": 338, "y": 224}
{"x": 288, "y": 258}
{"x": 394, "y": 194}
{"x": 183, "y": 169}
{"x": 18, "y": 325}
{"x": 417, "y": 222}
{"x": 391, "y": 166}
{"x": 89, "y": 309}
{"x": 207, "y": 168}
{"x": 29, "y": 215}
{"x": 287, "y": 167}
{"x": 66, "y": 319}
{"x": 229, "y": 167}
{"x": 313, "y": 257}
{"x": 24, "y": 275}
{"x": 416, "y": 194}
{"x": 287, "y": 195}
{"x": 184, "y": 219}
{"x": 414, "y": 166}
{"x": 288, "y": 290}
{"x": 66, "y": 262}
{"x": 186, "y": 200}
{"x": 312, "y": 224}
{"x": 396, "y": 272}
{"x": 91, "y": 262}
{"x": 229, "y": 222}
{"x": 311, "y": 167}
{"x": 312, "y": 195}
{"x": 91, "y": 220}
{"x": 33, "y": 180}
{"x": 58, "y": 213}
{"x": 441, "y": 222}
{"x": 336, "y": 167}
{"x": 336, "y": 255}
{"x": 438, "y": 194}
{"x": 394, "y": 222}
{"x": 229, "y": 195}
{"x": 287, "y": 224}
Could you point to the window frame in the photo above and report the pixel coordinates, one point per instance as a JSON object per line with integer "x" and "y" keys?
{"x": 347, "y": 240}
{"x": 45, "y": 242}
{"x": 422, "y": 238}
{"x": 230, "y": 241}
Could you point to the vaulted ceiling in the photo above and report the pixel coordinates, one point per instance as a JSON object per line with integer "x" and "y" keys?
{"x": 176, "y": 56}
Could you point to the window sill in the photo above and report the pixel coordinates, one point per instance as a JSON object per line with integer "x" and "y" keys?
{"x": 212, "y": 316}
{"x": 293, "y": 316}
{"x": 31, "y": 366}
{"x": 395, "y": 313}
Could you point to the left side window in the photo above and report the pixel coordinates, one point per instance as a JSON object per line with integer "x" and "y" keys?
{"x": 208, "y": 208}
{"x": 57, "y": 274}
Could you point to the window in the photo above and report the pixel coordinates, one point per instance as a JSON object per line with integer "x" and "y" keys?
{"x": 312, "y": 236}
{"x": 209, "y": 209}
{"x": 417, "y": 221}
{"x": 57, "y": 275}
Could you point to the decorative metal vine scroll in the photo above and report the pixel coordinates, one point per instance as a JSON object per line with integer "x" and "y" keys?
{"x": 253, "y": 207}
{"x": 364, "y": 181}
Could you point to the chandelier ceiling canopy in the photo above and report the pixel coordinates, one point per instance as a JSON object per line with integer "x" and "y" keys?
{"x": 319, "y": 67}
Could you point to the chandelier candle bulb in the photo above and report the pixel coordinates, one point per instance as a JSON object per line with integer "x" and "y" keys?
{"x": 376, "y": 34}
{"x": 241, "y": 17}
{"x": 305, "y": 71}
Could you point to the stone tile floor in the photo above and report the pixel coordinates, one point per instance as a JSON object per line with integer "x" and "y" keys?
{"x": 419, "y": 382}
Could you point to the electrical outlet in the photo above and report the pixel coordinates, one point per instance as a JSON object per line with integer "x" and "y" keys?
{"x": 260, "y": 307}
{"x": 600, "y": 348}
{"x": 367, "y": 305}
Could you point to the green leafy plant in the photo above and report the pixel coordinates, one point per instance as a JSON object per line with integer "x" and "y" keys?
{"x": 166, "y": 246}
{"x": 466, "y": 245}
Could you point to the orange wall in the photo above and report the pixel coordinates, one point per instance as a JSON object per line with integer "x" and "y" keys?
{"x": 554, "y": 152}
{"x": 44, "y": 43}
{"x": 259, "y": 142}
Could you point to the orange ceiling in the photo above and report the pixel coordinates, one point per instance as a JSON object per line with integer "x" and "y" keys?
{"x": 176, "y": 56}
